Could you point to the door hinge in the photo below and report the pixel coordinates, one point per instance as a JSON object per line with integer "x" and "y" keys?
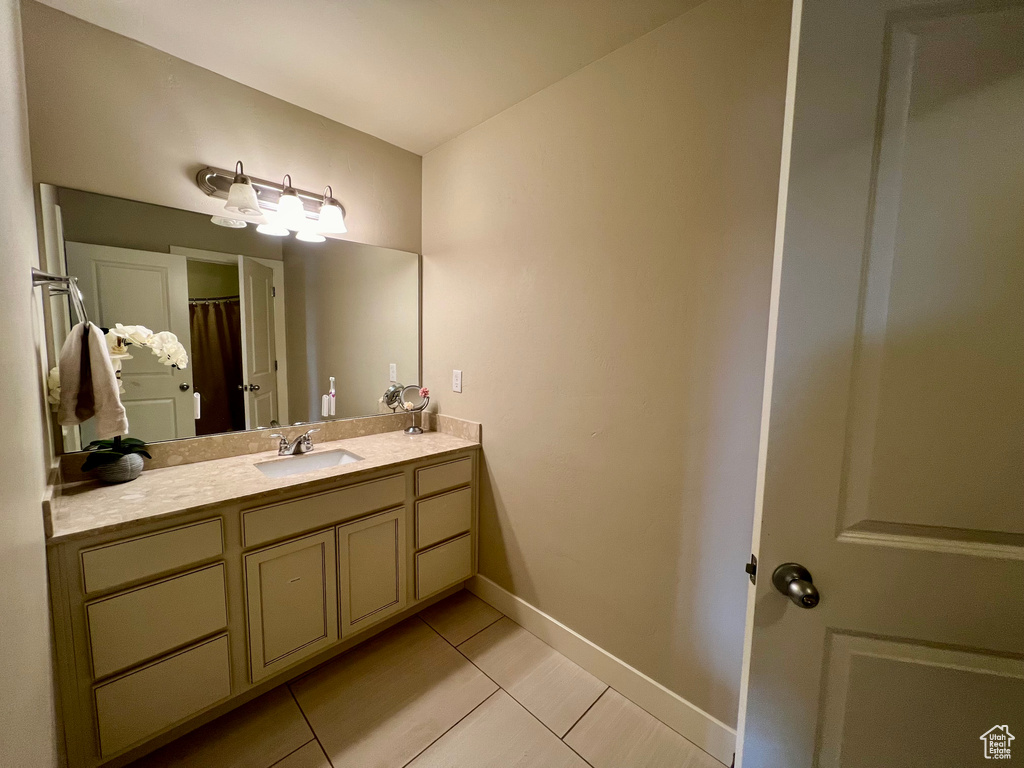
{"x": 751, "y": 568}
{"x": 273, "y": 291}
{"x": 275, "y": 365}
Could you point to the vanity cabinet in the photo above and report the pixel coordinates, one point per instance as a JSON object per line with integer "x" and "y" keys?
{"x": 159, "y": 628}
{"x": 148, "y": 621}
{"x": 140, "y": 704}
{"x": 371, "y": 569}
{"x": 444, "y": 518}
{"x": 441, "y": 566}
{"x": 292, "y": 602}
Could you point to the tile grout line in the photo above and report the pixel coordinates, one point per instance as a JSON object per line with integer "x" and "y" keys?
{"x": 301, "y": 746}
{"x": 453, "y": 645}
{"x": 509, "y": 693}
{"x": 608, "y": 688}
{"x": 677, "y": 733}
{"x": 527, "y": 709}
{"x": 474, "y": 709}
{"x": 592, "y": 704}
{"x": 308, "y": 724}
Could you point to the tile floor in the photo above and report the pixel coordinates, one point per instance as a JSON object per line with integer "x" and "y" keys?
{"x": 458, "y": 686}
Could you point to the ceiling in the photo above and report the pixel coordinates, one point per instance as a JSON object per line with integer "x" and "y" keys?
{"x": 412, "y": 72}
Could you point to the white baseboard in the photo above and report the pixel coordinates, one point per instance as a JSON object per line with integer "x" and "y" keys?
{"x": 710, "y": 734}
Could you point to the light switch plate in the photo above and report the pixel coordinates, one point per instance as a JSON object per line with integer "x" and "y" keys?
{"x": 456, "y": 381}
{"x": 393, "y": 372}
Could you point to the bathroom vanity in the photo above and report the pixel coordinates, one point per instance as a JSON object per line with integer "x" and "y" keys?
{"x": 193, "y": 589}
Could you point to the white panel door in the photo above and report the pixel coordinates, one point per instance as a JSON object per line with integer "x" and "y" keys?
{"x": 132, "y": 287}
{"x": 893, "y": 451}
{"x": 259, "y": 354}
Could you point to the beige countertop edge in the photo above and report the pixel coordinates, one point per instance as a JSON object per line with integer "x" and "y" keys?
{"x": 87, "y": 509}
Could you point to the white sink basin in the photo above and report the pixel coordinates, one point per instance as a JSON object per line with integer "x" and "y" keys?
{"x": 306, "y": 462}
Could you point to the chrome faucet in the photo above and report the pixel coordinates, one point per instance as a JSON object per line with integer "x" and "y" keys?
{"x": 301, "y": 444}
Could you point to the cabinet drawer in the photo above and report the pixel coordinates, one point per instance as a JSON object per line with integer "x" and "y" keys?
{"x": 291, "y": 517}
{"x": 123, "y": 562}
{"x": 292, "y": 602}
{"x": 138, "y": 625}
{"x": 142, "y": 703}
{"x": 441, "y": 517}
{"x": 443, "y": 566}
{"x": 441, "y": 477}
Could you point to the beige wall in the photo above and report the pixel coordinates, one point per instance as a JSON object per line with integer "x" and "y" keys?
{"x": 111, "y": 115}
{"x": 26, "y": 704}
{"x": 351, "y": 311}
{"x": 597, "y": 261}
{"x": 208, "y": 279}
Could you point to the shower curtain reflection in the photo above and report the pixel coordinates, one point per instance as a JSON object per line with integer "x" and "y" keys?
{"x": 216, "y": 328}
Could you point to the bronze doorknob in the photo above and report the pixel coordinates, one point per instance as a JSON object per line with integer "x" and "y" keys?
{"x": 795, "y": 582}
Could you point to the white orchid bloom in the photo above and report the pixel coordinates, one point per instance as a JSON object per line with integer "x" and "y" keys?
{"x": 180, "y": 358}
{"x": 53, "y": 387}
{"x": 117, "y": 348}
{"x": 136, "y": 334}
{"x": 172, "y": 354}
{"x": 164, "y": 345}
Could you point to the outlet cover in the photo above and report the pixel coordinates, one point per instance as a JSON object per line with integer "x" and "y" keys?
{"x": 456, "y": 381}
{"x": 393, "y": 372}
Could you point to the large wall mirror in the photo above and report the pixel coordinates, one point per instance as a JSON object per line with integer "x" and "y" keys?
{"x": 265, "y": 322}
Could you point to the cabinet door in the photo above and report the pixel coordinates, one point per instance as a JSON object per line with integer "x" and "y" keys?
{"x": 291, "y": 591}
{"x": 371, "y": 569}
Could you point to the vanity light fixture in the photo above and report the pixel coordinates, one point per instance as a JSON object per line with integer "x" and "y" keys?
{"x": 272, "y": 228}
{"x": 290, "y": 212}
{"x": 332, "y": 215}
{"x": 223, "y": 221}
{"x": 281, "y": 209}
{"x": 309, "y": 235}
{"x": 242, "y": 197}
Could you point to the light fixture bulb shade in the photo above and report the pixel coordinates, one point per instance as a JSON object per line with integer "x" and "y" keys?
{"x": 242, "y": 198}
{"x": 272, "y": 228}
{"x": 332, "y": 219}
{"x": 308, "y": 235}
{"x": 224, "y": 221}
{"x": 290, "y": 212}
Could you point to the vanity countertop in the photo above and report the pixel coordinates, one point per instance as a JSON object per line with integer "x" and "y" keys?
{"x": 85, "y": 509}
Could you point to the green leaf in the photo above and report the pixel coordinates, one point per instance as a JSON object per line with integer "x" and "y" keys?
{"x": 99, "y": 458}
{"x": 96, "y": 445}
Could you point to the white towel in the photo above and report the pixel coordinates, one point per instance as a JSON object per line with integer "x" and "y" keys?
{"x": 88, "y": 386}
